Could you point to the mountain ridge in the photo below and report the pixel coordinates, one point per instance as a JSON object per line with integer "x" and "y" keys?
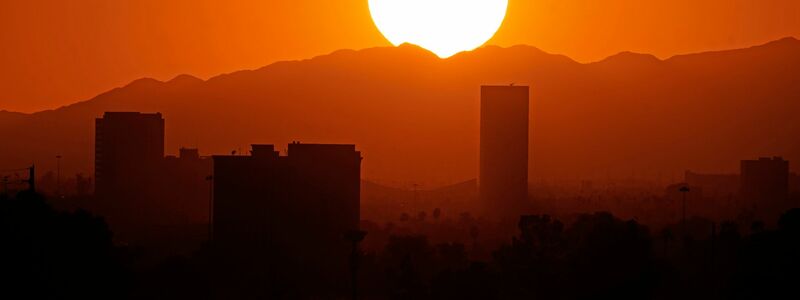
{"x": 414, "y": 115}
{"x": 789, "y": 40}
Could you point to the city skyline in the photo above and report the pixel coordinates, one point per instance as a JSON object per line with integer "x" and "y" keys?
{"x": 400, "y": 149}
{"x": 227, "y": 113}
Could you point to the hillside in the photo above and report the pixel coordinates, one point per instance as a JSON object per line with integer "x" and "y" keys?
{"x": 415, "y": 116}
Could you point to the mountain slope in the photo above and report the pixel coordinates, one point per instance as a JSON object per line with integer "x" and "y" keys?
{"x": 415, "y": 116}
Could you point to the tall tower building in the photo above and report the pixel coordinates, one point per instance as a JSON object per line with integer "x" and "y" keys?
{"x": 129, "y": 146}
{"x": 503, "y": 175}
{"x": 137, "y": 187}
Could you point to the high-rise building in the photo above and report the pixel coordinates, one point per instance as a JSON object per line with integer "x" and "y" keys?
{"x": 279, "y": 217}
{"x": 503, "y": 179}
{"x": 148, "y": 199}
{"x": 765, "y": 186}
{"x": 129, "y": 146}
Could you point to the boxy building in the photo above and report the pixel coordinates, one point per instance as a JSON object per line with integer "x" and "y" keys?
{"x": 765, "y": 186}
{"x": 129, "y": 147}
{"x": 141, "y": 192}
{"x": 278, "y": 219}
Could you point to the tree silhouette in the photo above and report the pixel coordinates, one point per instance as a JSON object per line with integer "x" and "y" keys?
{"x": 53, "y": 254}
{"x": 408, "y": 261}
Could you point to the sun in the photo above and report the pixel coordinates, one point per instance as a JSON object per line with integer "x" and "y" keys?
{"x": 444, "y": 27}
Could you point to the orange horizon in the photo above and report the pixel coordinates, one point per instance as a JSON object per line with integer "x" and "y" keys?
{"x": 58, "y": 53}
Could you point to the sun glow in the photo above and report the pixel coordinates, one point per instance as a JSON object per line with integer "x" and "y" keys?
{"x": 444, "y": 27}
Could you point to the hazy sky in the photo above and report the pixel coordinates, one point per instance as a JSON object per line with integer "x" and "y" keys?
{"x": 58, "y": 52}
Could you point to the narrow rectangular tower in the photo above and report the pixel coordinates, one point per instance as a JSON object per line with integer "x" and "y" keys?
{"x": 504, "y": 125}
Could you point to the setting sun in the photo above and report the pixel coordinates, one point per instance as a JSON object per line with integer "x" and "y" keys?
{"x": 444, "y": 27}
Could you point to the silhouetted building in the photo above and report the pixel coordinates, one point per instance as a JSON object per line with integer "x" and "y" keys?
{"x": 129, "y": 146}
{"x": 183, "y": 187}
{"x": 83, "y": 185}
{"x": 149, "y": 200}
{"x": 503, "y": 178}
{"x": 765, "y": 186}
{"x": 794, "y": 184}
{"x": 715, "y": 185}
{"x": 278, "y": 219}
{"x": 719, "y": 195}
{"x": 129, "y": 149}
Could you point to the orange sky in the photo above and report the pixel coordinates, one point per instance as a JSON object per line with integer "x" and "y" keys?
{"x": 57, "y": 52}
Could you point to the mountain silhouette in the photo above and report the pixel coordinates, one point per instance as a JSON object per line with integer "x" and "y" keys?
{"x": 414, "y": 116}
